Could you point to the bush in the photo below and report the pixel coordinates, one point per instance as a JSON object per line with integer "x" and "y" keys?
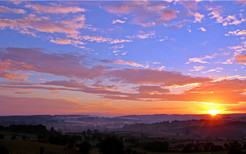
{"x": 111, "y": 145}
{"x": 1, "y": 136}
{"x": 3, "y": 150}
{"x": 84, "y": 147}
{"x": 156, "y": 146}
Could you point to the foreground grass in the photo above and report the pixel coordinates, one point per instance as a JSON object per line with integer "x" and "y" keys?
{"x": 17, "y": 146}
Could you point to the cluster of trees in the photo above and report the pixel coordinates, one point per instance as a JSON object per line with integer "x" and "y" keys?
{"x": 155, "y": 146}
{"x": 108, "y": 144}
{"x": 232, "y": 147}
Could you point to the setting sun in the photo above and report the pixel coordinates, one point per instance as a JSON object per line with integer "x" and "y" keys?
{"x": 213, "y": 112}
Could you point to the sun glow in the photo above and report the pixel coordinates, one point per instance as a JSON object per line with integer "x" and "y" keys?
{"x": 213, "y": 112}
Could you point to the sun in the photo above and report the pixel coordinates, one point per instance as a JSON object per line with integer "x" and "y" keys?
{"x": 213, "y": 112}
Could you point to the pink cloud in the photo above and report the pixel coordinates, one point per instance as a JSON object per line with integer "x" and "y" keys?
{"x": 35, "y": 105}
{"x": 148, "y": 76}
{"x": 44, "y": 24}
{"x": 151, "y": 90}
{"x": 100, "y": 39}
{"x": 10, "y": 70}
{"x": 167, "y": 15}
{"x": 190, "y": 5}
{"x": 4, "y": 9}
{"x": 122, "y": 62}
{"x": 57, "y": 64}
{"x": 145, "y": 13}
{"x": 54, "y": 9}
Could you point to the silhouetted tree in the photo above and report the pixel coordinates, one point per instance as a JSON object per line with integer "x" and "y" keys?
{"x": 156, "y": 146}
{"x": 13, "y": 137}
{"x": 41, "y": 150}
{"x": 111, "y": 145}
{"x": 3, "y": 150}
{"x": 188, "y": 148}
{"x": 84, "y": 147}
{"x": 1, "y": 136}
{"x": 235, "y": 148}
{"x": 23, "y": 137}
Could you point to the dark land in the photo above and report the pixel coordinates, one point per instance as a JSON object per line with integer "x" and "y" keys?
{"x": 132, "y": 134}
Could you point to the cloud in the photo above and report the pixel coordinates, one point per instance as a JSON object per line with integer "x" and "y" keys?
{"x": 222, "y": 86}
{"x": 238, "y": 50}
{"x": 24, "y": 92}
{"x": 36, "y": 105}
{"x": 189, "y": 5}
{"x": 217, "y": 69}
{"x": 148, "y": 76}
{"x": 202, "y": 29}
{"x": 201, "y": 60}
{"x": 145, "y": 13}
{"x": 118, "y": 21}
{"x": 142, "y": 35}
{"x": 44, "y": 24}
{"x": 220, "y": 92}
{"x": 67, "y": 65}
{"x": 122, "y": 62}
{"x": 241, "y": 1}
{"x": 229, "y": 20}
{"x": 241, "y": 59}
{"x": 215, "y": 13}
{"x": 197, "y": 68}
{"x": 167, "y": 15}
{"x": 152, "y": 90}
{"x": 61, "y": 41}
{"x": 4, "y": 9}
{"x": 76, "y": 43}
{"x": 103, "y": 39}
{"x": 198, "y": 17}
{"x": 237, "y": 32}
{"x": 10, "y": 70}
{"x": 54, "y": 9}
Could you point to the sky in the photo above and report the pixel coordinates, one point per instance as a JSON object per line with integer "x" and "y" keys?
{"x": 122, "y": 57}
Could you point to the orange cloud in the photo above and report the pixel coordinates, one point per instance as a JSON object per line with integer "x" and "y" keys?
{"x": 241, "y": 59}
{"x": 9, "y": 67}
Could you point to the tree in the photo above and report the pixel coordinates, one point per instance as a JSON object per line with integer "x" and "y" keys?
{"x": 84, "y": 147}
{"x": 3, "y": 150}
{"x": 111, "y": 145}
{"x": 156, "y": 146}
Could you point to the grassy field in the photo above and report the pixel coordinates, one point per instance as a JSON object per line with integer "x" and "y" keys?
{"x": 27, "y": 147}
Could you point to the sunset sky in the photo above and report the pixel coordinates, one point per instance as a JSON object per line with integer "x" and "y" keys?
{"x": 119, "y": 58}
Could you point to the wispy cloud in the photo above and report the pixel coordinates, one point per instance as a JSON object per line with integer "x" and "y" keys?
{"x": 217, "y": 69}
{"x": 55, "y": 9}
{"x": 118, "y": 21}
{"x": 197, "y": 68}
{"x": 122, "y": 62}
{"x": 4, "y": 9}
{"x": 201, "y": 60}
